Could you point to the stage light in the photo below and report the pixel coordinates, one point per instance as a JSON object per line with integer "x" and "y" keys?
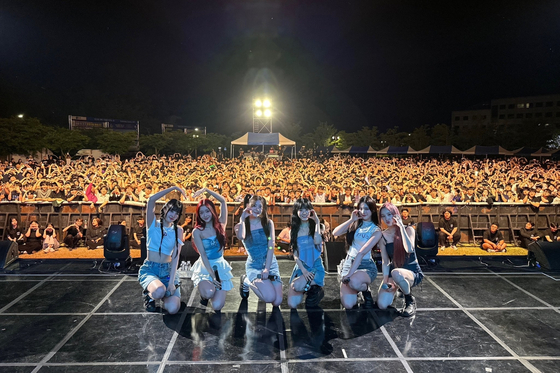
{"x": 20, "y": 116}
{"x": 267, "y": 113}
{"x": 258, "y": 113}
{"x": 266, "y": 103}
{"x": 258, "y": 103}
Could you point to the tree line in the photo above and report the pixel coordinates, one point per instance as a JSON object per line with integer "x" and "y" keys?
{"x": 29, "y": 136}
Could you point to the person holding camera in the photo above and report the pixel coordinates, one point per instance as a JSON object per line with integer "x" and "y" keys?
{"x": 74, "y": 233}
{"x": 50, "y": 241}
{"x": 33, "y": 238}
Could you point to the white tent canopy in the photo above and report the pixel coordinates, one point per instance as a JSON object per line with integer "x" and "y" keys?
{"x": 253, "y": 138}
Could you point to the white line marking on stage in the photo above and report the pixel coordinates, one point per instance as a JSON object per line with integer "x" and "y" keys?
{"x": 273, "y": 362}
{"x": 76, "y": 328}
{"x": 549, "y": 276}
{"x": 526, "y": 292}
{"x": 396, "y": 349}
{"x": 30, "y": 291}
{"x": 490, "y": 333}
{"x": 176, "y": 332}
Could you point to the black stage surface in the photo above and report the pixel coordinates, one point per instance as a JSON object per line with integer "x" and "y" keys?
{"x": 67, "y": 317}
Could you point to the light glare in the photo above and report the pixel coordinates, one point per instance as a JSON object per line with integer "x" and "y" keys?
{"x": 259, "y": 113}
{"x": 267, "y": 113}
{"x": 258, "y": 103}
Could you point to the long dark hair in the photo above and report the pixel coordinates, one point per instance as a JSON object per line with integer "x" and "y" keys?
{"x": 201, "y": 224}
{"x": 171, "y": 205}
{"x": 264, "y": 216}
{"x": 301, "y": 203}
{"x": 399, "y": 253}
{"x": 370, "y": 202}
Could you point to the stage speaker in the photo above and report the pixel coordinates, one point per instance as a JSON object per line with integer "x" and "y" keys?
{"x": 334, "y": 252}
{"x": 547, "y": 254}
{"x": 188, "y": 253}
{"x": 8, "y": 253}
{"x": 115, "y": 245}
{"x": 426, "y": 239}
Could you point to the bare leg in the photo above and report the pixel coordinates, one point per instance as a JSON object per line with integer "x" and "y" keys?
{"x": 295, "y": 293}
{"x": 156, "y": 289}
{"x": 172, "y": 304}
{"x": 403, "y": 278}
{"x": 264, "y": 290}
{"x": 385, "y": 296}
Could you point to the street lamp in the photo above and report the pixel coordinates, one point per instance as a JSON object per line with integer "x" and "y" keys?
{"x": 20, "y": 116}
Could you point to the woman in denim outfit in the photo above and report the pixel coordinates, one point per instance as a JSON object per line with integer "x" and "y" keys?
{"x": 211, "y": 272}
{"x": 164, "y": 242}
{"x": 306, "y": 241}
{"x": 400, "y": 265}
{"x": 359, "y": 270}
{"x": 256, "y": 231}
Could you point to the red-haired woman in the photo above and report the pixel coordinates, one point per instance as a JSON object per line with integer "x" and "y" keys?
{"x": 211, "y": 272}
{"x": 400, "y": 266}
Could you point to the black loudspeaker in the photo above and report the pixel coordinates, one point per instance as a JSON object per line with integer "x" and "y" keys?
{"x": 8, "y": 253}
{"x": 188, "y": 254}
{"x": 334, "y": 253}
{"x": 426, "y": 239}
{"x": 143, "y": 249}
{"x": 115, "y": 245}
{"x": 547, "y": 254}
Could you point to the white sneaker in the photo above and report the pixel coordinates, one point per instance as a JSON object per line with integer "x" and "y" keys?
{"x": 441, "y": 248}
{"x": 491, "y": 250}
{"x": 454, "y": 247}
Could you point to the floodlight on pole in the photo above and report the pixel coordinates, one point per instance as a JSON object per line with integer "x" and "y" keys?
{"x": 262, "y": 115}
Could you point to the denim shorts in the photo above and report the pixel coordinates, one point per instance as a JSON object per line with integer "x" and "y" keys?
{"x": 151, "y": 271}
{"x": 367, "y": 266}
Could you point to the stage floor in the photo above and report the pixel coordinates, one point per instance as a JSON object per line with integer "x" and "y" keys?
{"x": 65, "y": 316}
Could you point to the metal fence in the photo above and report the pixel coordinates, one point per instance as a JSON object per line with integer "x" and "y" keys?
{"x": 472, "y": 218}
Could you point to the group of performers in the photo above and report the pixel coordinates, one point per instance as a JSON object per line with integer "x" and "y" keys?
{"x": 212, "y": 273}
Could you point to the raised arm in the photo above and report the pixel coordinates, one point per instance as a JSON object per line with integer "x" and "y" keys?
{"x": 151, "y": 204}
{"x": 220, "y": 199}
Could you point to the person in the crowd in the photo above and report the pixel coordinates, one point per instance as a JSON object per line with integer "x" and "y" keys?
{"x": 262, "y": 274}
{"x": 528, "y": 234}
{"x": 138, "y": 232}
{"x": 95, "y": 234}
{"x": 158, "y": 274}
{"x": 448, "y": 231}
{"x": 406, "y": 219}
{"x": 552, "y": 233}
{"x": 493, "y": 240}
{"x": 50, "y": 241}
{"x": 211, "y": 272}
{"x": 74, "y": 233}
{"x": 308, "y": 275}
{"x": 359, "y": 270}
{"x": 33, "y": 238}
{"x": 400, "y": 265}
{"x": 15, "y": 233}
{"x": 283, "y": 239}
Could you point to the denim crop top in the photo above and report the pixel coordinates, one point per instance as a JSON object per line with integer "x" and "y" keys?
{"x": 308, "y": 251}
{"x": 212, "y": 247}
{"x": 256, "y": 244}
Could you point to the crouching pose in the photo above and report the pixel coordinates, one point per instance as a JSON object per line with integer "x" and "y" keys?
{"x": 158, "y": 275}
{"x": 400, "y": 266}
{"x": 308, "y": 275}
{"x": 256, "y": 231}
{"x": 211, "y": 272}
{"x": 359, "y": 270}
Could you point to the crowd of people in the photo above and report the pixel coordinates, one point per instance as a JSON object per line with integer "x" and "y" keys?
{"x": 341, "y": 180}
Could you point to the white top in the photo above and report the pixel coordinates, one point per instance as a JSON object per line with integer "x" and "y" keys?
{"x": 362, "y": 235}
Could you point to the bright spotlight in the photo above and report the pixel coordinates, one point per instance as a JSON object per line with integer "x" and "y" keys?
{"x": 258, "y": 103}
{"x": 259, "y": 113}
{"x": 267, "y": 113}
{"x": 266, "y": 103}
{"x": 20, "y": 116}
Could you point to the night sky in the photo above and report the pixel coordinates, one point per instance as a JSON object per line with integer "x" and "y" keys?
{"x": 350, "y": 63}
